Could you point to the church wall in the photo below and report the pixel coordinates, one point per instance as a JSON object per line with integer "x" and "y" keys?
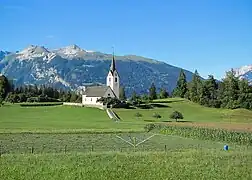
{"x": 90, "y": 100}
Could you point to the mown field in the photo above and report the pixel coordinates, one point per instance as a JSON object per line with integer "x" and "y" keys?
{"x": 14, "y": 118}
{"x": 189, "y": 165}
{"x": 64, "y": 142}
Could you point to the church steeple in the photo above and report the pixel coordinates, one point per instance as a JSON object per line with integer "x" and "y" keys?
{"x": 113, "y": 77}
{"x": 112, "y": 66}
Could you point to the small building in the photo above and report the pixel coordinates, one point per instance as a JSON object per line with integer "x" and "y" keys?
{"x": 92, "y": 93}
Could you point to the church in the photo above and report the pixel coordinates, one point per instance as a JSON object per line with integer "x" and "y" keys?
{"x": 93, "y": 93}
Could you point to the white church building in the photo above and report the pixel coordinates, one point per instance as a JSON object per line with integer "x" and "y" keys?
{"x": 92, "y": 93}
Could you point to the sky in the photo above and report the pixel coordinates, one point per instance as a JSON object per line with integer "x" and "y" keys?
{"x": 211, "y": 36}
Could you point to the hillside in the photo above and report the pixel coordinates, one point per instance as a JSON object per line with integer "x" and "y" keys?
{"x": 66, "y": 118}
{"x": 72, "y": 67}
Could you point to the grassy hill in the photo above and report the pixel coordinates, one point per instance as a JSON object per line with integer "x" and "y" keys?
{"x": 76, "y": 119}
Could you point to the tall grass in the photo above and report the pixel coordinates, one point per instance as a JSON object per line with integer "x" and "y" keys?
{"x": 241, "y": 138}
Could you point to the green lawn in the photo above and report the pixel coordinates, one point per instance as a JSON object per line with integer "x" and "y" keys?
{"x": 14, "y": 118}
{"x": 60, "y": 119}
{"x": 191, "y": 111}
{"x": 189, "y": 165}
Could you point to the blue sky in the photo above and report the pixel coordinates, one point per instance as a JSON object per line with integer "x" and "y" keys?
{"x": 211, "y": 36}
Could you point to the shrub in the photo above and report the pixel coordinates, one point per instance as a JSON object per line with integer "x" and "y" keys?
{"x": 156, "y": 115}
{"x": 176, "y": 115}
{"x": 138, "y": 115}
{"x": 149, "y": 127}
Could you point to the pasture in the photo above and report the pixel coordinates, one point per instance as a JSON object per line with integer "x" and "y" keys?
{"x": 14, "y": 118}
{"x": 64, "y": 142}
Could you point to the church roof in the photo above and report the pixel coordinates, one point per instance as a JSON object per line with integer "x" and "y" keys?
{"x": 112, "y": 66}
{"x": 96, "y": 91}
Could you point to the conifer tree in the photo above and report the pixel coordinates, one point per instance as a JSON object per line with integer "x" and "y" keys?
{"x": 230, "y": 92}
{"x": 163, "y": 93}
{"x": 152, "y": 92}
{"x": 122, "y": 95}
{"x": 196, "y": 86}
{"x": 181, "y": 88}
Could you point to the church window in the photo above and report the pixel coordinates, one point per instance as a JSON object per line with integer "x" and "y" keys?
{"x": 91, "y": 99}
{"x": 115, "y": 79}
{"x": 108, "y": 94}
{"x": 109, "y": 79}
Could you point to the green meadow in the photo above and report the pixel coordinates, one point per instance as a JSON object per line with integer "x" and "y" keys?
{"x": 66, "y": 142}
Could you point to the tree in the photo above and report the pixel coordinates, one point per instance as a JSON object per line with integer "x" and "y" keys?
{"x": 230, "y": 91}
{"x": 109, "y": 101}
{"x": 122, "y": 95}
{"x": 5, "y": 87}
{"x": 196, "y": 85}
{"x": 245, "y": 95}
{"x": 176, "y": 115}
{"x": 152, "y": 92}
{"x": 181, "y": 87}
{"x": 74, "y": 97}
{"x": 134, "y": 96}
{"x": 138, "y": 115}
{"x": 1, "y": 101}
{"x": 163, "y": 94}
{"x": 156, "y": 115}
{"x": 208, "y": 92}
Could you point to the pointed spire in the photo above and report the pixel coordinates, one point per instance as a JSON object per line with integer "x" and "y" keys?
{"x": 112, "y": 66}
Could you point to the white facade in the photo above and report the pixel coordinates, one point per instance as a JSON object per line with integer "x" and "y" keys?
{"x": 113, "y": 82}
{"x": 92, "y": 100}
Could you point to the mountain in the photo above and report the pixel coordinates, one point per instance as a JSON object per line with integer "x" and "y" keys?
{"x": 244, "y": 72}
{"x": 72, "y": 68}
{"x": 3, "y": 54}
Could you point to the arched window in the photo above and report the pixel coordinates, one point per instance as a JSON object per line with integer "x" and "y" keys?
{"x": 115, "y": 79}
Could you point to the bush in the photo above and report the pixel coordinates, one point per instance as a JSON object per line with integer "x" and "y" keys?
{"x": 176, "y": 115}
{"x": 156, "y": 115}
{"x": 138, "y": 115}
{"x": 149, "y": 127}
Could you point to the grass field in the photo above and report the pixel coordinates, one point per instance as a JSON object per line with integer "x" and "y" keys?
{"x": 189, "y": 165}
{"x": 59, "y": 143}
{"x": 14, "y": 118}
{"x": 60, "y": 119}
{"x": 64, "y": 142}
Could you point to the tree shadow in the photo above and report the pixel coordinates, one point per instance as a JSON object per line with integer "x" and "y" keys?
{"x": 160, "y": 105}
{"x": 149, "y": 120}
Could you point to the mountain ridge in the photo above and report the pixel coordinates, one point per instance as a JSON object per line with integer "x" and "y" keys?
{"x": 71, "y": 67}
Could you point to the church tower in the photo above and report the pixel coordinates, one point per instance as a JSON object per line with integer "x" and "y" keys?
{"x": 113, "y": 77}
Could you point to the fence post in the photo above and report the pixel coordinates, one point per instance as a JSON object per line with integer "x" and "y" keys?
{"x": 0, "y": 151}
{"x": 32, "y": 149}
{"x": 92, "y": 148}
{"x": 165, "y": 148}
